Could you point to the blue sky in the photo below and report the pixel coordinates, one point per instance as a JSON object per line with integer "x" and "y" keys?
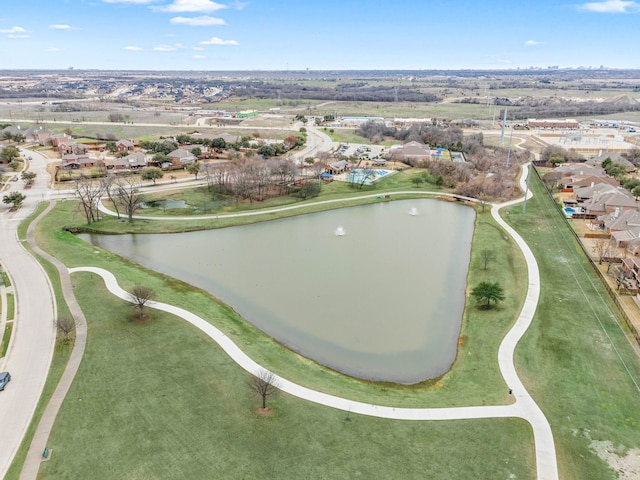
{"x": 327, "y": 35}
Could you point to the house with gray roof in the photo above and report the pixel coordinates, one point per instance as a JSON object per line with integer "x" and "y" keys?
{"x": 133, "y": 161}
{"x": 181, "y": 157}
{"x": 415, "y": 151}
{"x": 611, "y": 202}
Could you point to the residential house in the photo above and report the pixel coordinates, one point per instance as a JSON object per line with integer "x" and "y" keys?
{"x": 65, "y": 148}
{"x": 134, "y": 161}
{"x": 567, "y": 169}
{"x": 615, "y": 158}
{"x": 58, "y": 138}
{"x": 583, "y": 194}
{"x": 610, "y": 203}
{"x": 71, "y": 161}
{"x": 124, "y": 146}
{"x": 181, "y": 157}
{"x": 631, "y": 269}
{"x": 570, "y": 182}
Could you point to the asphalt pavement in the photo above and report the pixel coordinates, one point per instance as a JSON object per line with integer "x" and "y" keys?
{"x": 32, "y": 342}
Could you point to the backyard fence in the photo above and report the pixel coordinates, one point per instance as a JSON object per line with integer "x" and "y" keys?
{"x": 612, "y": 293}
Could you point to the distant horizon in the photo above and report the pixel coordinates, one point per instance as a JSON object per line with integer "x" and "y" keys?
{"x": 335, "y": 35}
{"x": 330, "y": 70}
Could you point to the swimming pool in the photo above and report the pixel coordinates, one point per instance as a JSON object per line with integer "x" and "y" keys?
{"x": 363, "y": 176}
{"x": 570, "y": 211}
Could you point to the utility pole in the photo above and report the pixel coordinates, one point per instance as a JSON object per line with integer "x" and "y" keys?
{"x": 526, "y": 190}
{"x": 509, "y": 151}
{"x": 504, "y": 122}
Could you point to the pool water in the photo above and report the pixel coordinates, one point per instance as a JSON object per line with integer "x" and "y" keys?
{"x": 570, "y": 211}
{"x": 363, "y": 176}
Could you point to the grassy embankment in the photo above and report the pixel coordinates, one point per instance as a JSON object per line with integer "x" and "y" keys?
{"x": 183, "y": 406}
{"x": 60, "y": 357}
{"x": 576, "y": 358}
{"x": 340, "y": 193}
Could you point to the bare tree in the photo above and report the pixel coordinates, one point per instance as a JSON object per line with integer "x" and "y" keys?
{"x": 140, "y": 296}
{"x": 89, "y": 195}
{"x": 65, "y": 326}
{"x": 265, "y": 383}
{"x": 602, "y": 248}
{"x": 129, "y": 195}
{"x": 109, "y": 187}
{"x": 487, "y": 256}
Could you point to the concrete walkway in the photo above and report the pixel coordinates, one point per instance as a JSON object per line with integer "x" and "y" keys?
{"x": 43, "y": 430}
{"x": 524, "y": 406}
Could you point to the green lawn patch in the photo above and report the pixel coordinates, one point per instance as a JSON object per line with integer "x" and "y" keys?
{"x": 576, "y": 358}
{"x": 10, "y": 306}
{"x": 4, "y": 277}
{"x": 6, "y": 338}
{"x": 159, "y": 400}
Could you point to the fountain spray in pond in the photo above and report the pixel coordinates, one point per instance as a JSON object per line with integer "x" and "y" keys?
{"x": 339, "y": 232}
{"x": 413, "y": 211}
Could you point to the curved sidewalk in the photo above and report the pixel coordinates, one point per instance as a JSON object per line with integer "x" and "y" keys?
{"x": 524, "y": 406}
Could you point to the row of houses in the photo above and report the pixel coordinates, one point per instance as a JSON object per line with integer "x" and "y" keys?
{"x": 611, "y": 209}
{"x": 134, "y": 161}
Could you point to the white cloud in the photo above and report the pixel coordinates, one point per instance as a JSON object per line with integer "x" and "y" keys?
{"x": 58, "y": 26}
{"x": 202, "y": 21}
{"x": 164, "y": 48}
{"x": 218, "y": 41}
{"x": 239, "y": 5}
{"x": 199, "y": 56}
{"x": 532, "y": 43}
{"x": 53, "y": 49}
{"x": 199, "y": 49}
{"x": 204, "y": 6}
{"x": 14, "y": 30}
{"x": 611, "y": 6}
{"x": 21, "y": 35}
{"x": 135, "y": 2}
{"x": 132, "y": 48}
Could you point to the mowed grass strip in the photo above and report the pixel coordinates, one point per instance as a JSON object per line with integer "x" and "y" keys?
{"x": 159, "y": 400}
{"x": 576, "y": 359}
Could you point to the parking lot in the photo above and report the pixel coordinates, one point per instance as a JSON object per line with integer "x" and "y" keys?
{"x": 361, "y": 151}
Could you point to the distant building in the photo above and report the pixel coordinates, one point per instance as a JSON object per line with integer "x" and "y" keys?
{"x": 553, "y": 123}
{"x": 412, "y": 151}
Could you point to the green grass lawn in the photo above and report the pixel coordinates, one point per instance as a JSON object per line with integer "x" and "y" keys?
{"x": 576, "y": 359}
{"x": 10, "y": 306}
{"x": 160, "y": 400}
{"x": 186, "y": 410}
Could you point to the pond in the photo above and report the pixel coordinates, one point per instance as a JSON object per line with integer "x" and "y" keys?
{"x": 375, "y": 291}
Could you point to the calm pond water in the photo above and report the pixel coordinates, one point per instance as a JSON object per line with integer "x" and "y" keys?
{"x": 375, "y": 291}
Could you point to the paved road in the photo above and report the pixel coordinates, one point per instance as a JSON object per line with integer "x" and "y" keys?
{"x": 31, "y": 348}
